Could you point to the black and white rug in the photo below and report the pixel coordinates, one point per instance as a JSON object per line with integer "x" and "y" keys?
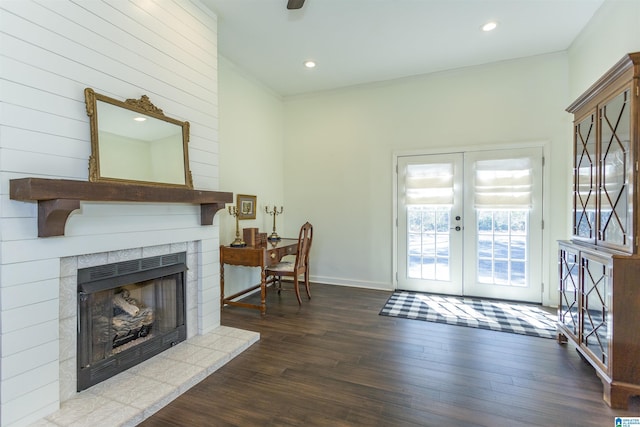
{"x": 500, "y": 316}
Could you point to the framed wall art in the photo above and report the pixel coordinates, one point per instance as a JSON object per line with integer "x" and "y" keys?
{"x": 246, "y": 206}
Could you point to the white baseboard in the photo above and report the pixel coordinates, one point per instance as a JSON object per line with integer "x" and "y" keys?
{"x": 388, "y": 286}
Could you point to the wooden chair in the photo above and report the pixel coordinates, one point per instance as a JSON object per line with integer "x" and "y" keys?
{"x": 296, "y": 268}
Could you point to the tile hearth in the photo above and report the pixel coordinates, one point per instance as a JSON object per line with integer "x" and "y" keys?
{"x": 132, "y": 396}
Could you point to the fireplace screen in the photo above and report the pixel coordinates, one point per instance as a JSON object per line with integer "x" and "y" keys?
{"x": 128, "y": 312}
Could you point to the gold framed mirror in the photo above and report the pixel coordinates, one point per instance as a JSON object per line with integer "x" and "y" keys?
{"x": 133, "y": 141}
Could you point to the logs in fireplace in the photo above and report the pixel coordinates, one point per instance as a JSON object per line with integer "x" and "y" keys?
{"x": 127, "y": 313}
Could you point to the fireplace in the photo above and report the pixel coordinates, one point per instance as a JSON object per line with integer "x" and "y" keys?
{"x": 128, "y": 312}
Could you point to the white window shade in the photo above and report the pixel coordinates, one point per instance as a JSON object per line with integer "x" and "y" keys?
{"x": 503, "y": 184}
{"x": 429, "y": 184}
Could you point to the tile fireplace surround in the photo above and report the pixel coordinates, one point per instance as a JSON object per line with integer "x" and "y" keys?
{"x": 132, "y": 396}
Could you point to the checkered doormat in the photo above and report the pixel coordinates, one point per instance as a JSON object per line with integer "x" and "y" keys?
{"x": 500, "y": 316}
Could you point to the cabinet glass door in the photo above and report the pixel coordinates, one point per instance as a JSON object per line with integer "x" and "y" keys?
{"x": 615, "y": 166}
{"x": 595, "y": 306}
{"x": 584, "y": 195}
{"x": 568, "y": 311}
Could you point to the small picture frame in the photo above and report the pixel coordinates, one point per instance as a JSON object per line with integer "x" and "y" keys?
{"x": 246, "y": 206}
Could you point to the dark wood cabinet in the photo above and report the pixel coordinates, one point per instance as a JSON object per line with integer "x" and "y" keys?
{"x": 599, "y": 309}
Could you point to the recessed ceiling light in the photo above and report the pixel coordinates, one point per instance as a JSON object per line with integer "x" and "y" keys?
{"x": 139, "y": 119}
{"x": 310, "y": 64}
{"x": 489, "y": 26}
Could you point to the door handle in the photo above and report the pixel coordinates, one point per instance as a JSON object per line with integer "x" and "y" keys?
{"x": 457, "y": 228}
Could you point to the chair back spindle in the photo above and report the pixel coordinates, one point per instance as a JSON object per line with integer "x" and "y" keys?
{"x": 304, "y": 245}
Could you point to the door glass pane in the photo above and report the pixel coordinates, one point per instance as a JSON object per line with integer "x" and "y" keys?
{"x": 502, "y": 246}
{"x": 517, "y": 272}
{"x": 485, "y": 246}
{"x": 428, "y": 239}
{"x": 615, "y": 134}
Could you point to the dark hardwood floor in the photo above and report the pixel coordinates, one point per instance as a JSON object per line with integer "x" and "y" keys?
{"x": 336, "y": 362}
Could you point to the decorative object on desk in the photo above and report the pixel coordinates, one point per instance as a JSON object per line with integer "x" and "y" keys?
{"x": 261, "y": 239}
{"x": 238, "y": 243}
{"x": 274, "y": 212}
{"x": 250, "y": 236}
{"x": 246, "y": 206}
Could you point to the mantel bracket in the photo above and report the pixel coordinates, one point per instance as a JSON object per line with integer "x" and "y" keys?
{"x": 53, "y": 214}
{"x": 208, "y": 211}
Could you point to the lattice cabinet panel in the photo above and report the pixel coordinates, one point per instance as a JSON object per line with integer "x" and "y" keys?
{"x": 568, "y": 310}
{"x": 594, "y": 335}
{"x": 584, "y": 196}
{"x": 616, "y": 172}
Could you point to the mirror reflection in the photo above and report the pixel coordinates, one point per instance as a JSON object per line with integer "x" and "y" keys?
{"x": 133, "y": 141}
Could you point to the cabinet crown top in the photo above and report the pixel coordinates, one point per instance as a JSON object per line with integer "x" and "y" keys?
{"x": 629, "y": 63}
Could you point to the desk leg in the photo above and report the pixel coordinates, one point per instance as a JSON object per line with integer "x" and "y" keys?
{"x": 263, "y": 292}
{"x": 221, "y": 283}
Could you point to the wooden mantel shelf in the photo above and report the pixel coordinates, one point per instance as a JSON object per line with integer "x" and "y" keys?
{"x": 57, "y": 198}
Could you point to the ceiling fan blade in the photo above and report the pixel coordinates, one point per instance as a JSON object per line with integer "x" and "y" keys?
{"x": 294, "y": 4}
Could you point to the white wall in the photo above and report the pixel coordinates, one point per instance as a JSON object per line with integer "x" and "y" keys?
{"x": 340, "y": 146}
{"x": 252, "y": 156}
{"x": 612, "y": 32}
{"x": 51, "y": 51}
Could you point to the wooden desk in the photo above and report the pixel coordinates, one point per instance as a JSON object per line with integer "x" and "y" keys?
{"x": 253, "y": 256}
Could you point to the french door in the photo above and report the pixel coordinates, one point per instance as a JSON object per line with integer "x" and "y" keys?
{"x": 471, "y": 223}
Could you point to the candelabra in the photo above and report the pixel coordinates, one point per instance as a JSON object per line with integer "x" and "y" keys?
{"x": 238, "y": 243}
{"x": 274, "y": 236}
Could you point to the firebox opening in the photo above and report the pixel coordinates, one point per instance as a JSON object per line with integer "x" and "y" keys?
{"x": 127, "y": 313}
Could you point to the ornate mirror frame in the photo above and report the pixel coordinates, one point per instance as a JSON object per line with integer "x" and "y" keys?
{"x": 134, "y": 142}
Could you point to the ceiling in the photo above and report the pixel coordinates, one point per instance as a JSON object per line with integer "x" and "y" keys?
{"x": 363, "y": 41}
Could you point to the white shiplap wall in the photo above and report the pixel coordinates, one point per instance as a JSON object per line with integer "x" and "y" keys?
{"x": 49, "y": 52}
